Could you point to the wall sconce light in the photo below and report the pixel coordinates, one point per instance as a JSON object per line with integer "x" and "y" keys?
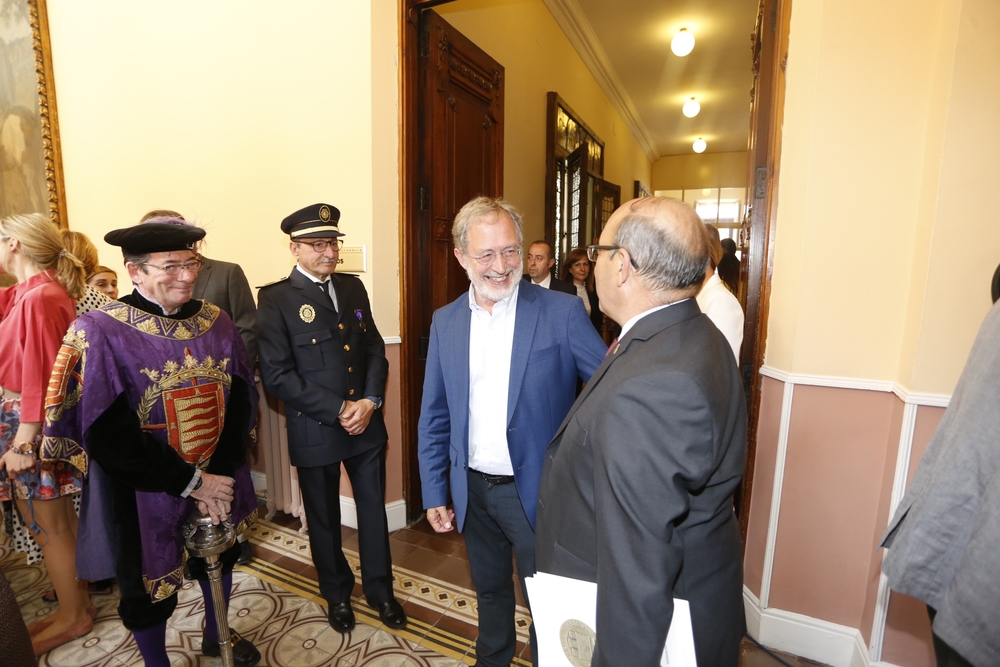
{"x": 682, "y": 43}
{"x": 691, "y": 108}
{"x": 699, "y": 145}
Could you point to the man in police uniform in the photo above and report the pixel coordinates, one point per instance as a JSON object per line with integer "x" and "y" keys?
{"x": 321, "y": 354}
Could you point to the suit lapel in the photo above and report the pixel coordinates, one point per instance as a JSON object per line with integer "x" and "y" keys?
{"x": 309, "y": 290}
{"x": 338, "y": 289}
{"x": 458, "y": 359}
{"x": 644, "y": 329}
{"x": 525, "y": 321}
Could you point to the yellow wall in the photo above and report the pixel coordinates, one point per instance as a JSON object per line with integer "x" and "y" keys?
{"x": 700, "y": 170}
{"x": 537, "y": 57}
{"x": 882, "y": 255}
{"x": 234, "y": 114}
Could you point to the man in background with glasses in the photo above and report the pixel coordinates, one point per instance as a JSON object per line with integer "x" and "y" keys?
{"x": 321, "y": 353}
{"x": 502, "y": 370}
{"x": 637, "y": 492}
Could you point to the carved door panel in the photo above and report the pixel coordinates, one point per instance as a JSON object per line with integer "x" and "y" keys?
{"x": 459, "y": 94}
{"x": 462, "y": 147}
{"x": 770, "y": 53}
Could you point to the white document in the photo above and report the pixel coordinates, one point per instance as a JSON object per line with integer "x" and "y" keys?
{"x": 564, "y": 613}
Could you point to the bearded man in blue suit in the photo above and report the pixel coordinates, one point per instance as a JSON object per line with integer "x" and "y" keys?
{"x": 502, "y": 370}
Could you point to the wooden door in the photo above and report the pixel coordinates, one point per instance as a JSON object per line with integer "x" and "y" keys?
{"x": 607, "y": 199}
{"x": 456, "y": 92}
{"x": 770, "y": 55}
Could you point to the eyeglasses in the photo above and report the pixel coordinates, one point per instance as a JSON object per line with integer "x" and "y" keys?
{"x": 594, "y": 250}
{"x": 321, "y": 246}
{"x": 487, "y": 256}
{"x": 174, "y": 269}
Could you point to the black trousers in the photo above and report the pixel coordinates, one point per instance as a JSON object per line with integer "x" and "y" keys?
{"x": 945, "y": 654}
{"x": 321, "y": 498}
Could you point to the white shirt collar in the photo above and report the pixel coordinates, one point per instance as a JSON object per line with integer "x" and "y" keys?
{"x": 506, "y": 302}
{"x": 628, "y": 325}
{"x": 546, "y": 283}
{"x": 309, "y": 275}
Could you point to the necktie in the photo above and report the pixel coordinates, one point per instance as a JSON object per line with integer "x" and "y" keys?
{"x": 325, "y": 287}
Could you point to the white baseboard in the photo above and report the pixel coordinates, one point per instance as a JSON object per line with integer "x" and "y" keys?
{"x": 394, "y": 511}
{"x": 812, "y": 638}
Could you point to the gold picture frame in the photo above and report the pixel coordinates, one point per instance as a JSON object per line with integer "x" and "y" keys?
{"x": 31, "y": 174}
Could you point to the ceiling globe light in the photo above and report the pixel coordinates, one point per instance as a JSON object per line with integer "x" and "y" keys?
{"x": 682, "y": 43}
{"x": 691, "y": 108}
{"x": 699, "y": 145}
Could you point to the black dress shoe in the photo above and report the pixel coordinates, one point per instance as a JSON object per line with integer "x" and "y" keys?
{"x": 391, "y": 613}
{"x": 245, "y": 654}
{"x": 342, "y": 617}
{"x": 246, "y": 554}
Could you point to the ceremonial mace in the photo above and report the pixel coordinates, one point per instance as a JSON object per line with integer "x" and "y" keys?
{"x": 209, "y": 541}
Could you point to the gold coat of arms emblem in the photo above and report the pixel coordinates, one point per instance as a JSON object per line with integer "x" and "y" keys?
{"x": 307, "y": 313}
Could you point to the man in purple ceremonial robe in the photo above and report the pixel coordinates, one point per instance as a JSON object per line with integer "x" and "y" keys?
{"x": 153, "y": 398}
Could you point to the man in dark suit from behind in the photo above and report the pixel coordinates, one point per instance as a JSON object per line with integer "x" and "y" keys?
{"x": 637, "y": 489}
{"x": 540, "y": 262}
{"x": 321, "y": 353}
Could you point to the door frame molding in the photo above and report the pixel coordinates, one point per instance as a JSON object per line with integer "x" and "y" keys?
{"x": 764, "y": 154}
{"x": 409, "y": 268}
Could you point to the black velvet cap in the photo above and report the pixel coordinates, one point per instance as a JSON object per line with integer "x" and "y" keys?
{"x": 313, "y": 222}
{"x": 152, "y": 236}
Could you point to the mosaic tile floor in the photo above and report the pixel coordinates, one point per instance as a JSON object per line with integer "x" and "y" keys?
{"x": 276, "y": 605}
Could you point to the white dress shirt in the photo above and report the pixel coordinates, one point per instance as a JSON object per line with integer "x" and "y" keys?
{"x": 716, "y": 301}
{"x": 491, "y": 341}
{"x": 546, "y": 283}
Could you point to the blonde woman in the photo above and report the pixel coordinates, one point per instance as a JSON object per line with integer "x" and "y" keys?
{"x": 34, "y": 316}
{"x": 81, "y": 247}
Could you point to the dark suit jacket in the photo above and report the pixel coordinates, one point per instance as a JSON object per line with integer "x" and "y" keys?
{"x": 225, "y": 285}
{"x": 637, "y": 490}
{"x": 555, "y": 285}
{"x": 314, "y": 358}
{"x": 553, "y": 347}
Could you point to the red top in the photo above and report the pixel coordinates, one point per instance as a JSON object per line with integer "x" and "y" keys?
{"x": 34, "y": 317}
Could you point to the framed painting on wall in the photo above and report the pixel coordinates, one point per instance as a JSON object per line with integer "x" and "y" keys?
{"x": 31, "y": 178}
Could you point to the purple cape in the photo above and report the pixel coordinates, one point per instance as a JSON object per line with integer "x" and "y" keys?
{"x": 176, "y": 375}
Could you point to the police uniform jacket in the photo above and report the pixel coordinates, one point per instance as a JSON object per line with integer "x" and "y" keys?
{"x": 314, "y": 358}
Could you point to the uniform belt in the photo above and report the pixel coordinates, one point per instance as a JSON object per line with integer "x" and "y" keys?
{"x": 494, "y": 479}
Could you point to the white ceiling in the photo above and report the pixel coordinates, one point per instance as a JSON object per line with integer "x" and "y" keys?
{"x": 626, "y": 44}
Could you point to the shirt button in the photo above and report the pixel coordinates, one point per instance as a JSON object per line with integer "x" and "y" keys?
{"x": 347, "y": 347}
{"x": 351, "y": 393}
{"x": 340, "y": 326}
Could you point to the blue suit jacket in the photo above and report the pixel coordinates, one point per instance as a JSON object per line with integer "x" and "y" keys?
{"x": 554, "y": 345}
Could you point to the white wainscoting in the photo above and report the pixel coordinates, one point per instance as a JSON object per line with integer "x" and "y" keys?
{"x": 808, "y": 637}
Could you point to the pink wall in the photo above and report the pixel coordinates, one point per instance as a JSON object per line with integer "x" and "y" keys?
{"x": 907, "y": 638}
{"x": 836, "y": 494}
{"x": 763, "y": 482}
{"x": 882, "y": 516}
{"x": 834, "y": 471}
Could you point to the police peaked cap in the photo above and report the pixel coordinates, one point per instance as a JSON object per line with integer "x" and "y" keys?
{"x": 313, "y": 222}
